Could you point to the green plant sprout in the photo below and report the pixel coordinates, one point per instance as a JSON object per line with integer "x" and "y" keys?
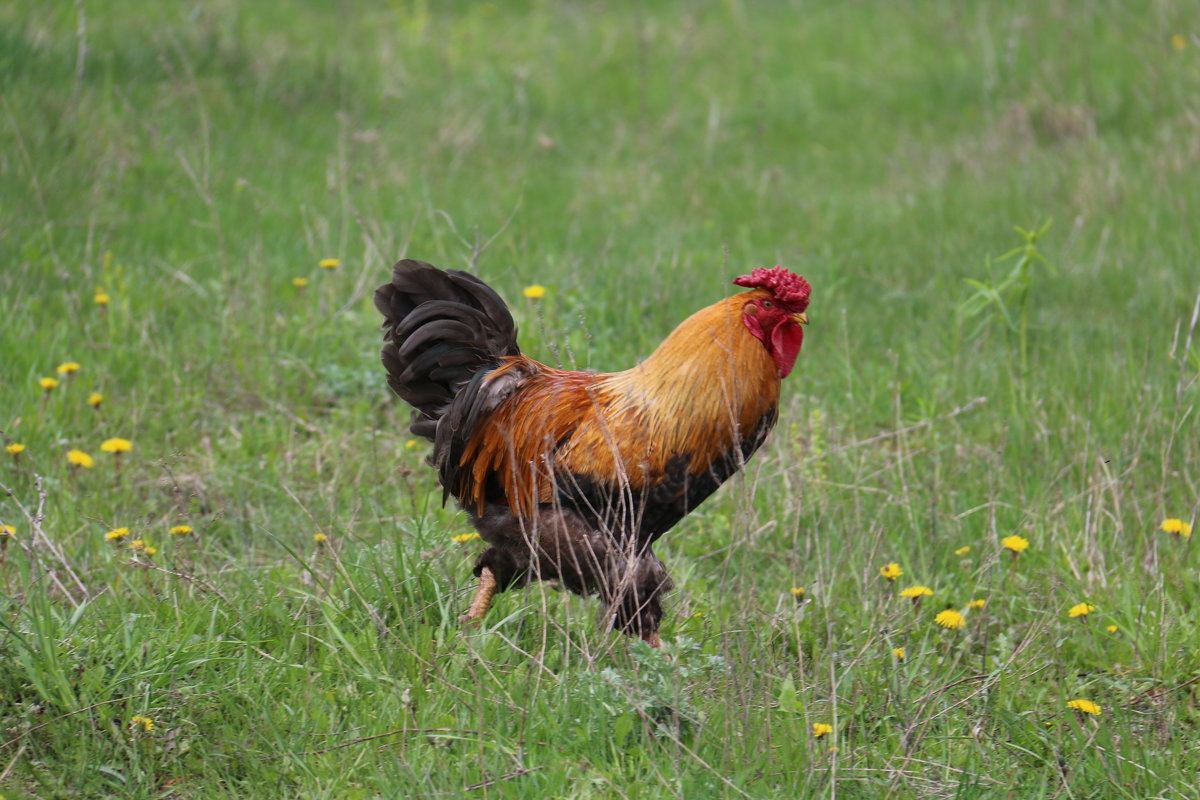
{"x": 1009, "y": 298}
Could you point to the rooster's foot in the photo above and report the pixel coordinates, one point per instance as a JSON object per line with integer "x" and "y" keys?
{"x": 483, "y": 597}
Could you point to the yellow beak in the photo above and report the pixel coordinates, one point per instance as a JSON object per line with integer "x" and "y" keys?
{"x": 801, "y": 318}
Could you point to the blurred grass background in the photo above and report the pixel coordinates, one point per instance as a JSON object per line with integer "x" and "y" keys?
{"x": 192, "y": 160}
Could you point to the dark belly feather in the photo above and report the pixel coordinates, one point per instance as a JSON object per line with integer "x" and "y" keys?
{"x": 646, "y": 514}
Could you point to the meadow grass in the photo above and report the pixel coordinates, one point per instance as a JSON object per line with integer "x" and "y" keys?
{"x": 191, "y": 161}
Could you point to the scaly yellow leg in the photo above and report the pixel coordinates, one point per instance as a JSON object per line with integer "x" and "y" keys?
{"x": 483, "y": 597}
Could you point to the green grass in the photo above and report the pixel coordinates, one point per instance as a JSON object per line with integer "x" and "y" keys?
{"x": 634, "y": 161}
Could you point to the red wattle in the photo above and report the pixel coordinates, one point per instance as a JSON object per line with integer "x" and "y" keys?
{"x": 785, "y": 346}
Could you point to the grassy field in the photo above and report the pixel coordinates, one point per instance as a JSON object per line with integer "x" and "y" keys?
{"x": 190, "y": 161}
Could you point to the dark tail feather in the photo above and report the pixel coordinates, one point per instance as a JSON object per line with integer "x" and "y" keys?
{"x": 441, "y": 328}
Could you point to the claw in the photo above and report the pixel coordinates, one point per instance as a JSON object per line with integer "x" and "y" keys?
{"x": 483, "y": 597}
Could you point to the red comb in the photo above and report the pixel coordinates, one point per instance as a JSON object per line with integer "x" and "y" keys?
{"x": 788, "y": 287}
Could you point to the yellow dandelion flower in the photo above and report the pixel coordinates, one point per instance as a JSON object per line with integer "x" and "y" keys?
{"x": 1016, "y": 544}
{"x": 1177, "y": 527}
{"x": 48, "y": 384}
{"x": 535, "y": 292}
{"x": 962, "y": 551}
{"x": 891, "y": 571}
{"x": 67, "y": 367}
{"x": 329, "y": 263}
{"x": 149, "y": 550}
{"x": 1178, "y": 41}
{"x": 320, "y": 538}
{"x": 15, "y": 449}
{"x": 299, "y": 283}
{"x": 798, "y": 592}
{"x": 820, "y": 729}
{"x": 116, "y": 534}
{"x": 1080, "y": 610}
{"x": 410, "y": 444}
{"x": 95, "y": 399}
{"x": 465, "y": 537}
{"x": 137, "y": 544}
{"x": 898, "y": 653}
{"x": 116, "y": 445}
{"x": 1085, "y": 706}
{"x": 697, "y": 615}
{"x": 100, "y": 298}
{"x": 7, "y": 530}
{"x": 1111, "y": 629}
{"x": 145, "y": 722}
{"x": 180, "y": 530}
{"x": 79, "y": 458}
{"x": 977, "y": 604}
{"x": 916, "y": 592}
{"x": 950, "y": 619}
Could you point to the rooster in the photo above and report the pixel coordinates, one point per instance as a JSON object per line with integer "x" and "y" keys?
{"x": 572, "y": 476}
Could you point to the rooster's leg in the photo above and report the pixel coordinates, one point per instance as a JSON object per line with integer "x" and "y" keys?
{"x": 652, "y": 639}
{"x": 483, "y": 596}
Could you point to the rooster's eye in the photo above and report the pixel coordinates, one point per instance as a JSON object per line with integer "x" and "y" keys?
{"x": 768, "y": 304}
